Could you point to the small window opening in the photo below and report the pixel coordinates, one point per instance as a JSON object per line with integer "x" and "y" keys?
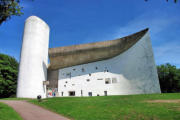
{"x": 90, "y": 93}
{"x": 107, "y": 81}
{"x": 62, "y": 93}
{"x": 81, "y": 92}
{"x": 82, "y": 69}
{"x": 64, "y": 85}
{"x": 105, "y": 93}
{"x": 73, "y": 84}
{"x": 68, "y": 74}
{"x": 66, "y": 82}
{"x": 114, "y": 80}
{"x": 89, "y": 74}
{"x": 88, "y": 80}
{"x": 71, "y": 93}
{"x": 74, "y": 69}
{"x": 96, "y": 68}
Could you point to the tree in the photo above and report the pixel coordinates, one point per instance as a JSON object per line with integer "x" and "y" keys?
{"x": 9, "y": 8}
{"x": 169, "y": 77}
{"x": 174, "y": 1}
{"x": 8, "y": 75}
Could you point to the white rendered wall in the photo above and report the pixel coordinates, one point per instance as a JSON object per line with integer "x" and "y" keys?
{"x": 34, "y": 59}
{"x": 135, "y": 71}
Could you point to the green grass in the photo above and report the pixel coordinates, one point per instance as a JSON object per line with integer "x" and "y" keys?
{"x": 130, "y": 107}
{"x": 7, "y": 113}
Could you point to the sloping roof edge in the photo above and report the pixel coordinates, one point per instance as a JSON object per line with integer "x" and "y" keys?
{"x": 68, "y": 56}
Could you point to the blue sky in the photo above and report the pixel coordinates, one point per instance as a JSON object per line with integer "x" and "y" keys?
{"x": 84, "y": 21}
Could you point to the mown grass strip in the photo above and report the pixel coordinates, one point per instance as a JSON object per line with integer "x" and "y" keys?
{"x": 8, "y": 113}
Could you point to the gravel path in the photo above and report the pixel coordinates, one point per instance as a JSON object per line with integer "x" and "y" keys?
{"x": 30, "y": 111}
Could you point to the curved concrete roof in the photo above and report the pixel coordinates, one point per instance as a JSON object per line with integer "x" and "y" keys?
{"x": 62, "y": 57}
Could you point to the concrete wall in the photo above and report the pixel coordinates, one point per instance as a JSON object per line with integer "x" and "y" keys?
{"x": 34, "y": 58}
{"x": 134, "y": 70}
{"x": 53, "y": 78}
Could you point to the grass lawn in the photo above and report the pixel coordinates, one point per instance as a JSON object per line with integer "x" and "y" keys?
{"x": 129, "y": 107}
{"x": 7, "y": 113}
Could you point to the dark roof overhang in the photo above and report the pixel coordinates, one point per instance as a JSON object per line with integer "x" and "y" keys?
{"x": 68, "y": 56}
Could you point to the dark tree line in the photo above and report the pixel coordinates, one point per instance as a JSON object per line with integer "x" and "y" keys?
{"x": 8, "y": 75}
{"x": 169, "y": 78}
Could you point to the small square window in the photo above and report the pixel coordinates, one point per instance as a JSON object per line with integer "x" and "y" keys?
{"x": 66, "y": 82}
{"x": 90, "y": 93}
{"x": 64, "y": 85}
{"x": 114, "y": 80}
{"x": 88, "y": 80}
{"x": 107, "y": 81}
{"x": 68, "y": 74}
{"x": 72, "y": 93}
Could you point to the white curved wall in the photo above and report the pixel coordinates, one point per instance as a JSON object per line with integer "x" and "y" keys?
{"x": 34, "y": 59}
{"x": 135, "y": 71}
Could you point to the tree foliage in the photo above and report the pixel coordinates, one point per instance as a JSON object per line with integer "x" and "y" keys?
{"x": 8, "y": 75}
{"x": 169, "y": 77}
{"x": 9, "y": 8}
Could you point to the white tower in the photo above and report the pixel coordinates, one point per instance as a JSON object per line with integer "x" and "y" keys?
{"x": 34, "y": 59}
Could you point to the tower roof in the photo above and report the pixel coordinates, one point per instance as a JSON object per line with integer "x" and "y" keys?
{"x": 68, "y": 56}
